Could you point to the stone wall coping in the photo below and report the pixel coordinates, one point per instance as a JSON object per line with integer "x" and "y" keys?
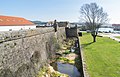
{"x": 14, "y": 35}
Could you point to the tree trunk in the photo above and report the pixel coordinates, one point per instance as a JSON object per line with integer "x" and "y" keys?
{"x": 94, "y": 38}
{"x": 94, "y": 34}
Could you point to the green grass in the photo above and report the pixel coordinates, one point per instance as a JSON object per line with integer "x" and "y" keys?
{"x": 118, "y": 37}
{"x": 102, "y": 57}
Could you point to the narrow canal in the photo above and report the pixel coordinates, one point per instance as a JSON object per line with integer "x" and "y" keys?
{"x": 69, "y": 69}
{"x": 69, "y": 62}
{"x": 66, "y": 68}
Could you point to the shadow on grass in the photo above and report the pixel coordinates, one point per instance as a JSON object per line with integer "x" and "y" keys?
{"x": 87, "y": 44}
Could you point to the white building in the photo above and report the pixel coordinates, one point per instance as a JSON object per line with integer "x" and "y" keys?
{"x": 105, "y": 30}
{"x": 106, "y": 26}
{"x": 8, "y": 23}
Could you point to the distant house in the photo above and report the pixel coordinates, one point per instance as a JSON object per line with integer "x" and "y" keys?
{"x": 106, "y": 26}
{"x": 116, "y": 27}
{"x": 64, "y": 24}
{"x": 8, "y": 23}
{"x": 105, "y": 30}
{"x": 60, "y": 24}
{"x": 50, "y": 23}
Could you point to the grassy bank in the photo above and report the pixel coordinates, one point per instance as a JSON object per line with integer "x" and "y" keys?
{"x": 118, "y": 37}
{"x": 103, "y": 57}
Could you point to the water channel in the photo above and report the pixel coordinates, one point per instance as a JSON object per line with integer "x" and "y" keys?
{"x": 69, "y": 69}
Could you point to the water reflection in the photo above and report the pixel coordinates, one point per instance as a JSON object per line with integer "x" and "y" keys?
{"x": 69, "y": 69}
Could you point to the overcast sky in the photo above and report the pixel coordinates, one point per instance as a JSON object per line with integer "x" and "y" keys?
{"x": 62, "y": 10}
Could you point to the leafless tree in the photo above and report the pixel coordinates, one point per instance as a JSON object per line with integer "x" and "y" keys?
{"x": 93, "y": 16}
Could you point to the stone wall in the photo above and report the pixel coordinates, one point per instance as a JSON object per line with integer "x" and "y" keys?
{"x": 71, "y": 32}
{"x": 23, "y": 53}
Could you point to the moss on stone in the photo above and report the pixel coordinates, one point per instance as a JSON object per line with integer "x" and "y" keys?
{"x": 65, "y": 60}
{"x": 48, "y": 71}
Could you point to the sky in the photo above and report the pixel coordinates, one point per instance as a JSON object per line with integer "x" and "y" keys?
{"x": 61, "y": 10}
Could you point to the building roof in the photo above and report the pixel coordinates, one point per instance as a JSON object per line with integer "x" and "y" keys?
{"x": 14, "y": 21}
{"x": 115, "y": 24}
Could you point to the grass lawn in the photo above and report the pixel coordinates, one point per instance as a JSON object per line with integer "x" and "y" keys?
{"x": 118, "y": 37}
{"x": 102, "y": 57}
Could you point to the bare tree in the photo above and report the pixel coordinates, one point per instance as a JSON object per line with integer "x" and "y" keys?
{"x": 93, "y": 16}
